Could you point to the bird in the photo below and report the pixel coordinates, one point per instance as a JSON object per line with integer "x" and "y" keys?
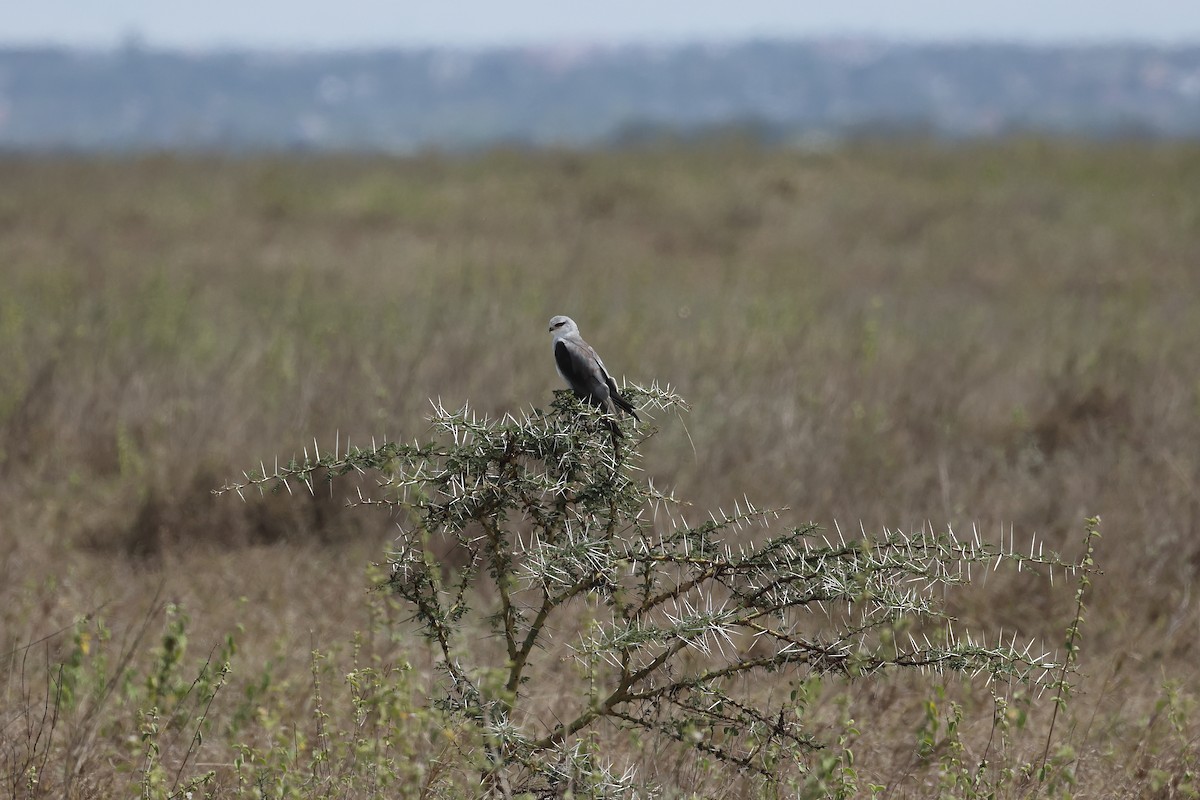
{"x": 580, "y": 366}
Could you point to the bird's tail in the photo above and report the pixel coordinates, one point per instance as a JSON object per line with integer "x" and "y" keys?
{"x": 625, "y": 405}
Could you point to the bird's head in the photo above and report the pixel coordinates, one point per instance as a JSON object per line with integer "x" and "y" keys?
{"x": 561, "y": 325}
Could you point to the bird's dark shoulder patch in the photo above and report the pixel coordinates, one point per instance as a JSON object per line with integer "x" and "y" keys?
{"x": 566, "y": 365}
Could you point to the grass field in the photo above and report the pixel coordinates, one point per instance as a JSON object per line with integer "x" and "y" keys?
{"x": 1000, "y": 334}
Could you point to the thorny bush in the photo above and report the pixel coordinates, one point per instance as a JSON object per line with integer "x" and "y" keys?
{"x": 556, "y": 524}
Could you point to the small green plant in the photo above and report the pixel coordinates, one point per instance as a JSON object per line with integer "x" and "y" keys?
{"x": 564, "y": 548}
{"x": 92, "y": 698}
{"x": 1056, "y": 771}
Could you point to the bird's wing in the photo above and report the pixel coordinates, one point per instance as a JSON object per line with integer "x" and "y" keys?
{"x": 613, "y": 392}
{"x": 582, "y": 370}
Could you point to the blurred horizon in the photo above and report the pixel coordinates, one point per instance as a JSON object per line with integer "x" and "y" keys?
{"x": 373, "y": 76}
{"x": 372, "y": 24}
{"x": 807, "y": 94}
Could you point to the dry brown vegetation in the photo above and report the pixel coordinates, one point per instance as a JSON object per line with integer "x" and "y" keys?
{"x": 1002, "y": 334}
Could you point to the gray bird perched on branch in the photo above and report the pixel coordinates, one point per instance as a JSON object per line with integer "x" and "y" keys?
{"x": 580, "y": 366}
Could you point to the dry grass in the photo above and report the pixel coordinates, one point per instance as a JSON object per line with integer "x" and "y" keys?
{"x": 1002, "y": 334}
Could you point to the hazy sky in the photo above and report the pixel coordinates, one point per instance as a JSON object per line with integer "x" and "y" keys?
{"x": 294, "y": 24}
